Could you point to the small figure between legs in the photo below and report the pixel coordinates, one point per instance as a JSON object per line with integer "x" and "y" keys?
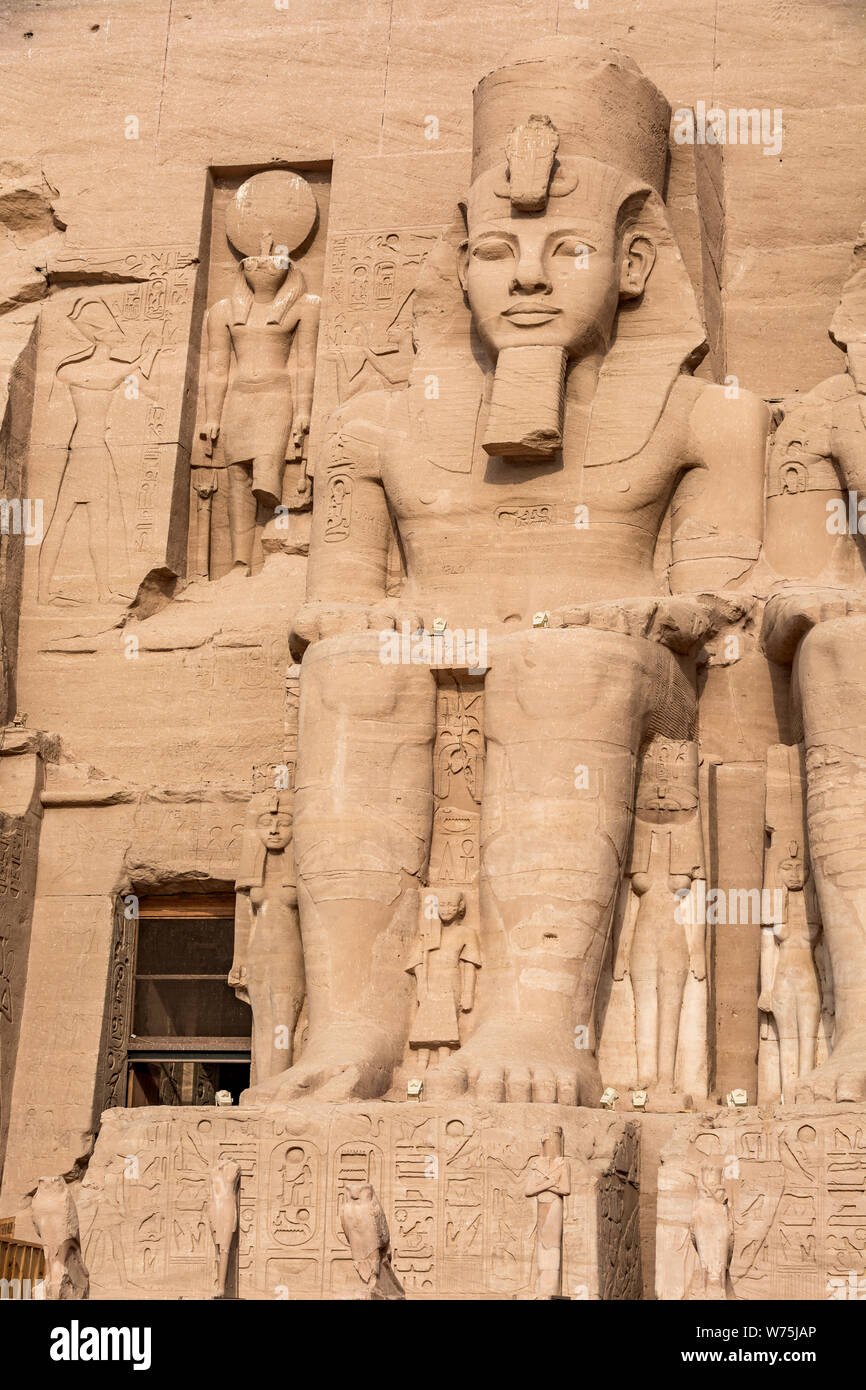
{"x": 444, "y": 966}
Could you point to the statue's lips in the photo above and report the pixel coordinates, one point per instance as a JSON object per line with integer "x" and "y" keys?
{"x": 530, "y": 314}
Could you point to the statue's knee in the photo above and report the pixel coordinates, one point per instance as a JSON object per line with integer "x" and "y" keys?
{"x": 348, "y": 674}
{"x": 833, "y": 648}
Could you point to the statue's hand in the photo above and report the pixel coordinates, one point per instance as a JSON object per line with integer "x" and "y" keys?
{"x": 765, "y": 1001}
{"x": 300, "y": 428}
{"x": 210, "y": 434}
{"x": 326, "y": 618}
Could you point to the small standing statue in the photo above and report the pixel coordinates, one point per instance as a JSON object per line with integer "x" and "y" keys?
{"x": 222, "y": 1213}
{"x": 444, "y": 966}
{"x": 712, "y": 1232}
{"x": 56, "y": 1221}
{"x": 268, "y": 966}
{"x": 790, "y": 991}
{"x": 549, "y": 1182}
{"x": 366, "y": 1229}
{"x": 263, "y": 412}
{"x": 662, "y": 943}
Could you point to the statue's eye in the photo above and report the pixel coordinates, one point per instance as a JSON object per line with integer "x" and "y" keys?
{"x": 492, "y": 249}
{"x": 574, "y": 247}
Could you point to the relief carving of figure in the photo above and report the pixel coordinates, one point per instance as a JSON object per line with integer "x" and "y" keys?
{"x": 268, "y": 966}
{"x": 364, "y": 363}
{"x": 93, "y": 376}
{"x": 562, "y": 345}
{"x": 261, "y": 354}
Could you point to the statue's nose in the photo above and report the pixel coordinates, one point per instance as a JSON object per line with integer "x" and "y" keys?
{"x": 530, "y": 276}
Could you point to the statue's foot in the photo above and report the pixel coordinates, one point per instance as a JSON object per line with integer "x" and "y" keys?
{"x": 345, "y": 1062}
{"x": 841, "y": 1077}
{"x": 518, "y": 1061}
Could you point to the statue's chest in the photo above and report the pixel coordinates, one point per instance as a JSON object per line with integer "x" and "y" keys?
{"x": 259, "y": 337}
{"x": 510, "y": 496}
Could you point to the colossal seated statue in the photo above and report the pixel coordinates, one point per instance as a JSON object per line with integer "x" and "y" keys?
{"x": 550, "y": 425}
{"x": 816, "y": 620}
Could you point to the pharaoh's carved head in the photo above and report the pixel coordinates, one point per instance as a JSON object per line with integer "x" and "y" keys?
{"x": 570, "y": 143}
{"x": 792, "y": 870}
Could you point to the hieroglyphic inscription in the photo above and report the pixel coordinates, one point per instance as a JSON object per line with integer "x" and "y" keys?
{"x": 368, "y": 333}
{"x": 451, "y": 1184}
{"x": 797, "y": 1191}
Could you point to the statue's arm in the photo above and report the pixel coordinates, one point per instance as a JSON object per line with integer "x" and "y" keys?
{"x": 536, "y": 1182}
{"x": 625, "y": 920}
{"x": 307, "y": 336}
{"x": 769, "y": 953}
{"x": 470, "y": 962}
{"x": 243, "y": 920}
{"x": 696, "y": 940}
{"x": 717, "y": 514}
{"x": 219, "y": 357}
{"x": 351, "y": 529}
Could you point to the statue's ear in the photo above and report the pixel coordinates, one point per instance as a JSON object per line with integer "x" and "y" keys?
{"x": 463, "y": 250}
{"x": 638, "y": 259}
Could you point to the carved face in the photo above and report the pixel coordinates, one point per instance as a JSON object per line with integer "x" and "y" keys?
{"x": 551, "y": 281}
{"x": 265, "y": 273}
{"x": 793, "y": 875}
{"x": 274, "y": 830}
{"x": 450, "y": 906}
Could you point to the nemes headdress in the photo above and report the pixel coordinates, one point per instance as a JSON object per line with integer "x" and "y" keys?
{"x": 574, "y": 125}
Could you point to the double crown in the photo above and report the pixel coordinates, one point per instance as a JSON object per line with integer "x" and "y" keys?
{"x": 550, "y": 107}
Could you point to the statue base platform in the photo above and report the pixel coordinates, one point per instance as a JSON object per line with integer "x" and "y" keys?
{"x": 451, "y": 1179}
